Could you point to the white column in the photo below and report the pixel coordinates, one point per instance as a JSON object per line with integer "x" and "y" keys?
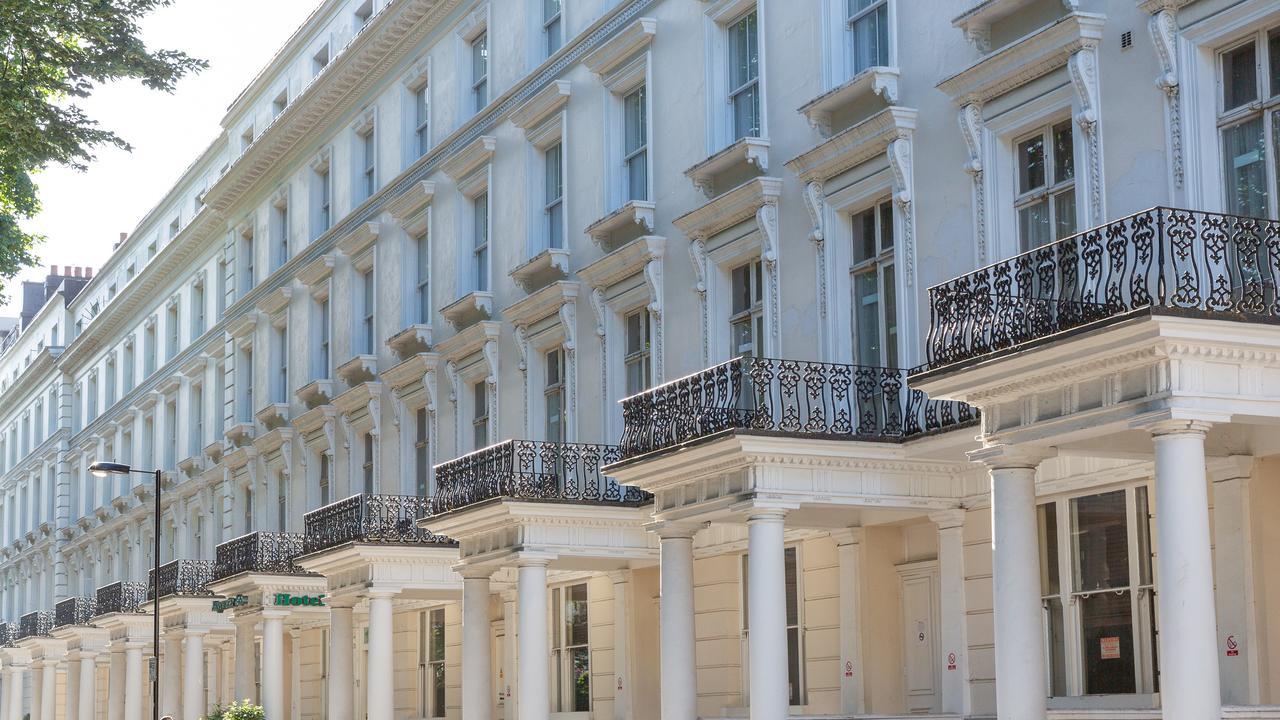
{"x": 955, "y": 670}
{"x": 213, "y": 672}
{"x": 621, "y": 645}
{"x": 1019, "y": 635}
{"x": 378, "y": 679}
{"x": 273, "y": 664}
{"x": 170, "y": 677}
{"x": 88, "y": 684}
{"x": 14, "y": 688}
{"x": 1189, "y": 686}
{"x": 245, "y": 660}
{"x": 193, "y": 675}
{"x": 477, "y": 667}
{"x": 49, "y": 687}
{"x": 72, "y": 699}
{"x": 1240, "y": 674}
{"x": 849, "y": 557}
{"x": 115, "y": 683}
{"x": 533, "y": 670}
{"x": 341, "y": 663}
{"x": 37, "y": 688}
{"x": 5, "y": 690}
{"x": 679, "y": 688}
{"x": 134, "y": 690}
{"x": 509, "y": 635}
{"x": 295, "y": 673}
{"x": 767, "y": 614}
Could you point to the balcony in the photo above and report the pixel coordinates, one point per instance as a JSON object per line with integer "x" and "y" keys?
{"x": 531, "y": 470}
{"x": 763, "y": 396}
{"x": 34, "y": 625}
{"x": 181, "y": 578}
{"x": 1162, "y": 261}
{"x": 259, "y": 552}
{"x": 74, "y": 611}
{"x": 7, "y": 632}
{"x": 370, "y": 519}
{"x": 121, "y": 597}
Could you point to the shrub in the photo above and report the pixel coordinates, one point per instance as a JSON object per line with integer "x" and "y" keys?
{"x": 243, "y": 710}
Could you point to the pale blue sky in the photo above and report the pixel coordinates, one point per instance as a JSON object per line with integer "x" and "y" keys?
{"x": 84, "y": 213}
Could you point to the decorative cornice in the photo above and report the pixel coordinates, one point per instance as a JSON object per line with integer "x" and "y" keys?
{"x": 364, "y": 235}
{"x": 469, "y": 341}
{"x": 546, "y": 101}
{"x": 735, "y": 206}
{"x": 470, "y": 158}
{"x": 542, "y": 303}
{"x": 855, "y": 145}
{"x": 634, "y": 38}
{"x": 878, "y": 80}
{"x": 628, "y": 260}
{"x": 409, "y": 203}
{"x": 1025, "y": 59}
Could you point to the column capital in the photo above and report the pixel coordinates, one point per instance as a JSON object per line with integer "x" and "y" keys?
{"x": 377, "y": 592}
{"x": 533, "y": 560}
{"x": 848, "y": 536}
{"x": 757, "y": 514}
{"x": 342, "y": 602}
{"x": 948, "y": 519}
{"x": 1170, "y": 422}
{"x": 669, "y": 529}
{"x": 474, "y": 572}
{"x": 620, "y": 577}
{"x": 1233, "y": 467}
{"x": 1002, "y": 457}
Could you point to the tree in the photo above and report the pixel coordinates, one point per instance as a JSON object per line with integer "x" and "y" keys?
{"x": 52, "y": 52}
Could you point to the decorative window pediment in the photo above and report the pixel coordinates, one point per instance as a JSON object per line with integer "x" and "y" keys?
{"x": 409, "y": 203}
{"x": 1025, "y": 59}
{"x": 534, "y": 111}
{"x": 361, "y": 405}
{"x": 468, "y": 309}
{"x": 634, "y": 213}
{"x": 317, "y": 271}
{"x": 853, "y": 146}
{"x": 470, "y": 158}
{"x": 747, "y": 151}
{"x": 634, "y": 38}
{"x": 735, "y": 206}
{"x": 276, "y": 300}
{"x": 355, "y": 242}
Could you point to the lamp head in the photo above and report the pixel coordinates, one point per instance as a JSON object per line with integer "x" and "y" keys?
{"x": 103, "y": 469}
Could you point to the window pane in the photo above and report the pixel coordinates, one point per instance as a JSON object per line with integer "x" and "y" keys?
{"x": 743, "y": 53}
{"x": 638, "y": 177}
{"x": 576, "y": 614}
{"x": 579, "y": 658}
{"x": 746, "y": 113}
{"x": 869, "y": 35}
{"x": 1063, "y": 158}
{"x": 791, "y": 579}
{"x": 1047, "y": 524}
{"x": 1245, "y": 168}
{"x": 1273, "y": 56}
{"x": 886, "y": 226}
{"x": 1239, "y": 76}
{"x": 633, "y": 109}
{"x": 864, "y": 236}
{"x": 1030, "y": 164}
{"x": 793, "y": 665}
{"x": 890, "y": 317}
{"x": 1064, "y": 214}
{"x": 867, "y": 308}
{"x": 1033, "y": 224}
{"x": 1143, "y": 519}
{"x": 1100, "y": 526}
{"x": 1056, "y": 645}
{"x": 1106, "y": 630}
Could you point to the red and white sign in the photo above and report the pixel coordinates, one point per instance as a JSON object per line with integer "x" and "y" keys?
{"x": 951, "y": 661}
{"x": 848, "y": 668}
{"x": 1110, "y": 648}
{"x": 1233, "y": 648}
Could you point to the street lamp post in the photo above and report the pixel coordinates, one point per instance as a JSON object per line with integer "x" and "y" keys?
{"x": 107, "y": 469}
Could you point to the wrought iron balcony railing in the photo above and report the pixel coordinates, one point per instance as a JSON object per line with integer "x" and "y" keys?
{"x": 531, "y": 470}
{"x": 785, "y": 397}
{"x": 261, "y": 552}
{"x": 1162, "y": 260}
{"x": 74, "y": 611}
{"x": 181, "y": 578}
{"x": 7, "y": 633}
{"x": 121, "y": 597}
{"x": 35, "y": 624}
{"x": 365, "y": 518}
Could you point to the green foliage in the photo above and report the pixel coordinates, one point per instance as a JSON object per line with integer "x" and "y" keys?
{"x": 51, "y": 53}
{"x": 237, "y": 711}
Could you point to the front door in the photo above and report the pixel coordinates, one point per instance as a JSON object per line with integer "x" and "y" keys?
{"x": 919, "y": 617}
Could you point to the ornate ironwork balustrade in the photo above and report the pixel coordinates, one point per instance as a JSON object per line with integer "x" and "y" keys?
{"x": 365, "y": 518}
{"x": 74, "y": 611}
{"x": 121, "y": 597}
{"x": 1163, "y": 260}
{"x": 35, "y": 624}
{"x": 7, "y": 633}
{"x": 181, "y": 578}
{"x": 787, "y": 397}
{"x": 532, "y": 470}
{"x": 261, "y": 552}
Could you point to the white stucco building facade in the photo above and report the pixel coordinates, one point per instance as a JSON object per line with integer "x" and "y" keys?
{"x": 927, "y": 410}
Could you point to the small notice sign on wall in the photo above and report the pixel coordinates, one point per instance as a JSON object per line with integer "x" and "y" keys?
{"x": 1110, "y": 647}
{"x": 1233, "y": 648}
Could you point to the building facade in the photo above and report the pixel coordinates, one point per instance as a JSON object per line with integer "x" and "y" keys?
{"x": 675, "y": 359}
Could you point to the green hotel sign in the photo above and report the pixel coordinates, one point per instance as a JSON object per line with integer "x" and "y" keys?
{"x": 299, "y": 600}
{"x": 227, "y": 604}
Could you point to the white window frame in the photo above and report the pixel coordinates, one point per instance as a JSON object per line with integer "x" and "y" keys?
{"x": 556, "y": 19}
{"x": 720, "y": 19}
{"x": 474, "y": 26}
{"x": 321, "y": 194}
{"x": 280, "y": 229}
{"x": 1144, "y": 654}
{"x": 744, "y": 632}
{"x": 364, "y": 153}
{"x": 1264, "y": 108}
{"x": 621, "y": 83}
{"x": 837, "y": 65}
{"x": 478, "y": 397}
{"x": 1052, "y": 187}
{"x": 554, "y": 388}
{"x": 880, "y": 260}
{"x": 637, "y": 357}
{"x": 428, "y": 700}
{"x": 562, "y": 652}
{"x": 417, "y": 129}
